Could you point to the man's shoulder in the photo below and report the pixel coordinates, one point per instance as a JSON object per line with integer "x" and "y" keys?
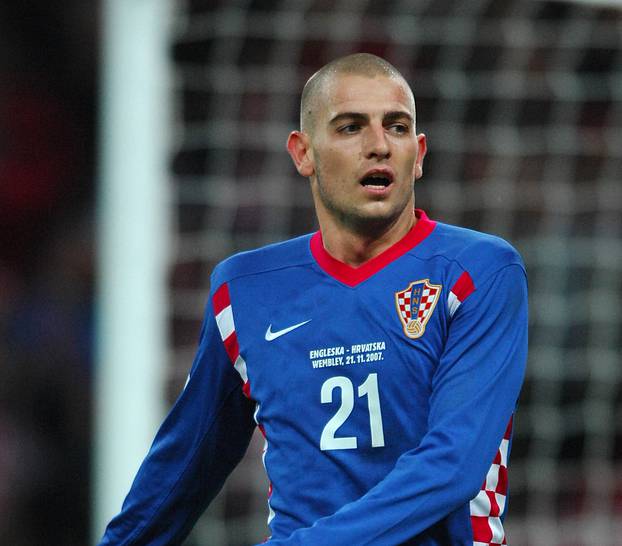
{"x": 479, "y": 253}
{"x": 272, "y": 257}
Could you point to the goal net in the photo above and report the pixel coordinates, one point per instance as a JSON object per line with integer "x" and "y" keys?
{"x": 521, "y": 103}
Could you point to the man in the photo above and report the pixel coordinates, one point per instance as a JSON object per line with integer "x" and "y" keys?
{"x": 381, "y": 357}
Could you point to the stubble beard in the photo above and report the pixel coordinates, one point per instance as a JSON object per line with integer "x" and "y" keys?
{"x": 352, "y": 219}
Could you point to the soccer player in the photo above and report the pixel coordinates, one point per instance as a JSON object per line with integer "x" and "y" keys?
{"x": 381, "y": 357}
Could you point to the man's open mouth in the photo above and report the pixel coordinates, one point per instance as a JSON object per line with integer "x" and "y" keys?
{"x": 377, "y": 181}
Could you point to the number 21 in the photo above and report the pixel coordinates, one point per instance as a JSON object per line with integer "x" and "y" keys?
{"x": 368, "y": 388}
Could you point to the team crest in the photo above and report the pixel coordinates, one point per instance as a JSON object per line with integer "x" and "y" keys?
{"x": 415, "y": 306}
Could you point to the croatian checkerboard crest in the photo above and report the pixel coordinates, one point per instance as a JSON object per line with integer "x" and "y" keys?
{"x": 415, "y": 305}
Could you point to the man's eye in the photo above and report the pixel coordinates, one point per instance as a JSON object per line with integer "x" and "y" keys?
{"x": 399, "y": 128}
{"x": 350, "y": 128}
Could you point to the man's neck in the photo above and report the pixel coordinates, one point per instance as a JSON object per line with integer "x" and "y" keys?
{"x": 354, "y": 248}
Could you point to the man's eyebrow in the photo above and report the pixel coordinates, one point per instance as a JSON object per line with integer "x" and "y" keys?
{"x": 358, "y": 116}
{"x": 397, "y": 114}
{"x": 354, "y": 116}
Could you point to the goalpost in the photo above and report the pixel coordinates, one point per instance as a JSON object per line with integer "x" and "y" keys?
{"x": 134, "y": 244}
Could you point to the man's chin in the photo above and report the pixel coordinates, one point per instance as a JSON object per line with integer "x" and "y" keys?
{"x": 376, "y": 219}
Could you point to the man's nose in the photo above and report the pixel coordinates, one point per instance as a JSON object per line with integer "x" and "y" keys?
{"x": 376, "y": 143}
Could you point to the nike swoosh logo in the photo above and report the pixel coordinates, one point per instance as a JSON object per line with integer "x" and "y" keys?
{"x": 270, "y": 335}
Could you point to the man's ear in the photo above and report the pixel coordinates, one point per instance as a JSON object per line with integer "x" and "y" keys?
{"x": 298, "y": 146}
{"x": 422, "y": 149}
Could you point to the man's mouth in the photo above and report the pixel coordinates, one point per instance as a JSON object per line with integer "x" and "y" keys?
{"x": 377, "y": 181}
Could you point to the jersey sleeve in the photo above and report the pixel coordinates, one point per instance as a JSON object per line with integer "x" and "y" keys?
{"x": 474, "y": 394}
{"x": 200, "y": 442}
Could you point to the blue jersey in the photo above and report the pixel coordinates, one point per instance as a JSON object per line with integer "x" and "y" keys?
{"x": 385, "y": 394}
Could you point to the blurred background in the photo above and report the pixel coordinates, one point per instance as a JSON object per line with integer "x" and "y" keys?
{"x": 48, "y": 74}
{"x": 521, "y": 101}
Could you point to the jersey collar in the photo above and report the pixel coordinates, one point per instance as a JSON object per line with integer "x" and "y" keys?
{"x": 352, "y": 276}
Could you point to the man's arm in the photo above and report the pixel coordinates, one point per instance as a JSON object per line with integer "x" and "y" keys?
{"x": 203, "y": 438}
{"x": 474, "y": 394}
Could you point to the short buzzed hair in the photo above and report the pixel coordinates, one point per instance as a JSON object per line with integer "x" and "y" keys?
{"x": 363, "y": 64}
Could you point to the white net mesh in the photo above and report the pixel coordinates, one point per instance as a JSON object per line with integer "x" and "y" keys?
{"x": 521, "y": 104}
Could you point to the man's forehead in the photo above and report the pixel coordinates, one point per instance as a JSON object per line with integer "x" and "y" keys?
{"x": 363, "y": 93}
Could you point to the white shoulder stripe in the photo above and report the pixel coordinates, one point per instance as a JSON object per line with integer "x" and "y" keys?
{"x": 492, "y": 478}
{"x": 240, "y": 366}
{"x": 224, "y": 321}
{"x": 503, "y": 450}
{"x": 501, "y": 502}
{"x": 480, "y": 505}
{"x": 452, "y": 303}
{"x": 496, "y": 527}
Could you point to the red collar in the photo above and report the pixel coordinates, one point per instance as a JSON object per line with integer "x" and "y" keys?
{"x": 354, "y": 275}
